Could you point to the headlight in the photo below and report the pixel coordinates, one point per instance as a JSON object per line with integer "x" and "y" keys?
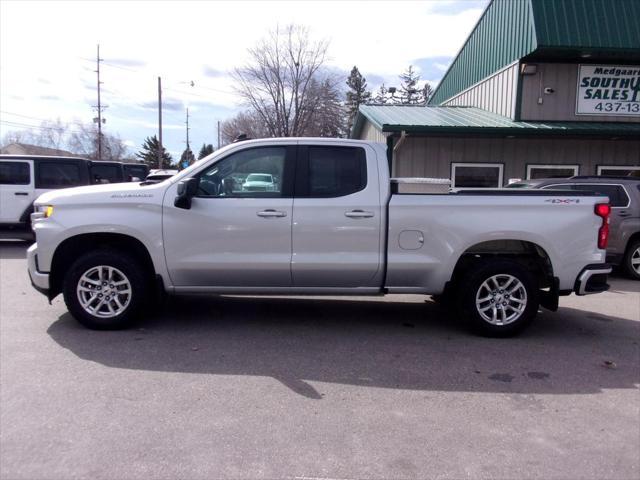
{"x": 47, "y": 210}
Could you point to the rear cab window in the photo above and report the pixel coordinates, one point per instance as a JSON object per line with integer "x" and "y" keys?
{"x": 15, "y": 173}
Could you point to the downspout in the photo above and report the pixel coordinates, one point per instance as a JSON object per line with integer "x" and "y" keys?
{"x": 403, "y": 135}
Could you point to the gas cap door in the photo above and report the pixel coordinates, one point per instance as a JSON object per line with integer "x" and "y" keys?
{"x": 411, "y": 239}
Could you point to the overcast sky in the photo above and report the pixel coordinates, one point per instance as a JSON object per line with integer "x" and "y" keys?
{"x": 48, "y": 51}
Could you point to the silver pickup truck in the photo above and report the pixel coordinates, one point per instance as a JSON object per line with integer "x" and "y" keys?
{"x": 329, "y": 224}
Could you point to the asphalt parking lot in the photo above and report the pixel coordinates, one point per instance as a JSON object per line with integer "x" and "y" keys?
{"x": 339, "y": 388}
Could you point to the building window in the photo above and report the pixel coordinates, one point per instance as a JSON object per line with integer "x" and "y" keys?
{"x": 551, "y": 171}
{"x": 476, "y": 175}
{"x": 617, "y": 171}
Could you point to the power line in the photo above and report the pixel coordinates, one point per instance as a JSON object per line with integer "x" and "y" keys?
{"x": 39, "y": 127}
{"x": 133, "y": 70}
{"x": 24, "y": 116}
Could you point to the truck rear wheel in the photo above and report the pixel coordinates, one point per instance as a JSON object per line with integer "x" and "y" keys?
{"x": 498, "y": 298}
{"x": 105, "y": 289}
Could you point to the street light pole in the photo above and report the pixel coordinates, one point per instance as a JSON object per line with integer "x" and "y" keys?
{"x": 160, "y": 148}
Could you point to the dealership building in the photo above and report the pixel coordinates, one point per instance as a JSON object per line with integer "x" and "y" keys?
{"x": 541, "y": 88}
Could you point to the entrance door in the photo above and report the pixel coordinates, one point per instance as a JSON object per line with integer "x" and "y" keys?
{"x": 237, "y": 232}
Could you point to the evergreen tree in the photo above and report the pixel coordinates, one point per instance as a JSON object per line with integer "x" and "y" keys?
{"x": 356, "y": 95}
{"x": 149, "y": 153}
{"x": 381, "y": 95}
{"x": 427, "y": 92}
{"x": 187, "y": 158}
{"x": 409, "y": 92}
{"x": 207, "y": 149}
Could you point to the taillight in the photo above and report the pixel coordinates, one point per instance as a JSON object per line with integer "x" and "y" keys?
{"x": 603, "y": 210}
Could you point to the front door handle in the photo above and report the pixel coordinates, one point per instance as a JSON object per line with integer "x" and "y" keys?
{"x": 358, "y": 214}
{"x": 271, "y": 213}
{"x": 21, "y": 193}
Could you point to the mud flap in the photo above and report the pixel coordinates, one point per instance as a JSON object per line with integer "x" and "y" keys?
{"x": 550, "y": 299}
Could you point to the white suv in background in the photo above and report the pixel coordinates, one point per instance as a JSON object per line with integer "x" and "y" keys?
{"x": 24, "y": 178}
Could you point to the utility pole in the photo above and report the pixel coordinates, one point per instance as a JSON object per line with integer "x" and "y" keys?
{"x": 160, "y": 149}
{"x": 100, "y": 107}
{"x": 187, "y": 123}
{"x": 218, "y": 135}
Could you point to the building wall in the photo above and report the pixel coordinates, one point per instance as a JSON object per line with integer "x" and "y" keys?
{"x": 560, "y": 105}
{"x": 496, "y": 93}
{"x": 371, "y": 133}
{"x": 433, "y": 156}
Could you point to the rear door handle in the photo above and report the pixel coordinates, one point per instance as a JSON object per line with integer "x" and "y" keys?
{"x": 21, "y": 193}
{"x": 271, "y": 213}
{"x": 358, "y": 214}
{"x": 624, "y": 214}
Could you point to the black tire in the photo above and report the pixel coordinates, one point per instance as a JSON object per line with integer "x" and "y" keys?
{"x": 133, "y": 272}
{"x": 473, "y": 285}
{"x": 633, "y": 250}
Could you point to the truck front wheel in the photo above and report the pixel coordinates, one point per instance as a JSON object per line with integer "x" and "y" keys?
{"x": 498, "y": 298}
{"x": 105, "y": 289}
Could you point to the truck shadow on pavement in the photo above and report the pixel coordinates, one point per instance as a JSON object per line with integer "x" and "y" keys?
{"x": 418, "y": 346}
{"x": 13, "y": 249}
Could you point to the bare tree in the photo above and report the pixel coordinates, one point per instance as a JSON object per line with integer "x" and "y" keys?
{"x": 248, "y": 122}
{"x": 278, "y": 81}
{"x": 53, "y": 133}
{"x": 50, "y": 134}
{"x": 17, "y": 136}
{"x": 76, "y": 137}
{"x": 327, "y": 113}
{"x": 83, "y": 140}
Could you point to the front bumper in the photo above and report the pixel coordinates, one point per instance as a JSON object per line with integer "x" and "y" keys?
{"x": 593, "y": 279}
{"x": 39, "y": 280}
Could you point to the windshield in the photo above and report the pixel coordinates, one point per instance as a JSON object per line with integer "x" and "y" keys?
{"x": 520, "y": 185}
{"x": 259, "y": 177}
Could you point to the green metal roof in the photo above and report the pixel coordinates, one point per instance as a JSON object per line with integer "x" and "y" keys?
{"x": 472, "y": 120}
{"x": 510, "y": 30}
{"x": 608, "y": 24}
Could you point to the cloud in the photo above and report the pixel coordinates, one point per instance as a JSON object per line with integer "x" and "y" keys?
{"x": 49, "y": 97}
{"x": 125, "y": 62}
{"x": 454, "y": 7}
{"x": 213, "y": 72}
{"x": 433, "y": 67}
{"x": 167, "y": 104}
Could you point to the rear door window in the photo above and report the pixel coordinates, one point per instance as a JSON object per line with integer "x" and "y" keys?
{"x": 14, "y": 173}
{"x": 57, "y": 175}
{"x": 332, "y": 172}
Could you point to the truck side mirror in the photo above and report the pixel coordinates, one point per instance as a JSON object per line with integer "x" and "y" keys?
{"x": 187, "y": 189}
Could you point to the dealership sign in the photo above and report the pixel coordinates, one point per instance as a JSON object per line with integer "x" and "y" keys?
{"x": 608, "y": 90}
